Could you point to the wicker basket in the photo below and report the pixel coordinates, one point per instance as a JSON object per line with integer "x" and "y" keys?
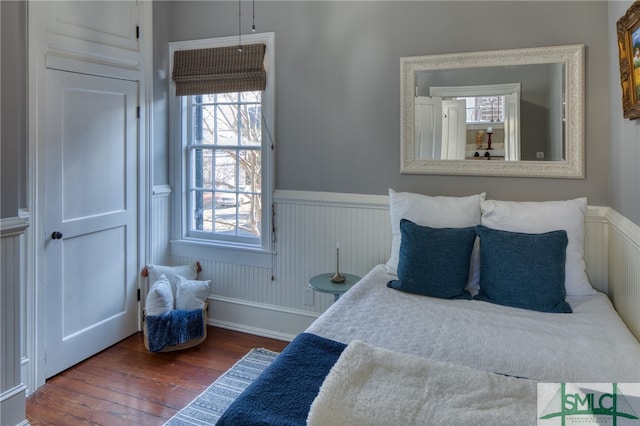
{"x": 188, "y": 344}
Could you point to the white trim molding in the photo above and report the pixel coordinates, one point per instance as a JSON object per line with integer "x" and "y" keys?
{"x": 259, "y": 319}
{"x": 13, "y": 226}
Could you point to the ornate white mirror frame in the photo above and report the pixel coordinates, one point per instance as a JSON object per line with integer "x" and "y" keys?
{"x": 572, "y": 56}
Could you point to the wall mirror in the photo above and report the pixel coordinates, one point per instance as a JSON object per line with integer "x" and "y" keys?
{"x": 517, "y": 112}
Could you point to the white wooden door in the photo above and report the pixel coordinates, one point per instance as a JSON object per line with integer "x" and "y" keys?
{"x": 91, "y": 211}
{"x": 454, "y": 129}
{"x": 428, "y": 127}
{"x": 512, "y": 126}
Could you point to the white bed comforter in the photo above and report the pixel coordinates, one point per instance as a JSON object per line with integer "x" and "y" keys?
{"x": 387, "y": 388}
{"x": 590, "y": 345}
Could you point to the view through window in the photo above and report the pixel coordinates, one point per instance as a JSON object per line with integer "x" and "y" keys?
{"x": 225, "y": 166}
{"x": 484, "y": 109}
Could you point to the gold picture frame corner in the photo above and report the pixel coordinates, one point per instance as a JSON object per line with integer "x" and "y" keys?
{"x": 628, "y": 30}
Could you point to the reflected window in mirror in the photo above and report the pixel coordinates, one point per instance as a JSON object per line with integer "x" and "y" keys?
{"x": 484, "y": 109}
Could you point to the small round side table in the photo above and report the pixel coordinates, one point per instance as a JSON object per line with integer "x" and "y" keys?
{"x": 323, "y": 284}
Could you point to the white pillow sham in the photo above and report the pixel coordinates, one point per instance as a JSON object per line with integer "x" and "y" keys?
{"x": 191, "y": 294}
{"x": 435, "y": 212}
{"x": 160, "y": 297}
{"x": 190, "y": 272}
{"x": 546, "y": 216}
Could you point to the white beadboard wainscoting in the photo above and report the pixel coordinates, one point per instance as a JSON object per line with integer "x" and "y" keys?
{"x": 624, "y": 268}
{"x": 159, "y": 222}
{"x": 12, "y": 388}
{"x": 308, "y": 225}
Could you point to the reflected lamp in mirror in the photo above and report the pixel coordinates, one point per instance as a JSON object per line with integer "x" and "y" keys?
{"x": 521, "y": 108}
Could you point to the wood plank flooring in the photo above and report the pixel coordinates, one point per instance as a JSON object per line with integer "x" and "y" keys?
{"x": 127, "y": 385}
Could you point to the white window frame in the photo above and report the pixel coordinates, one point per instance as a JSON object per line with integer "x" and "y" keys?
{"x": 223, "y": 250}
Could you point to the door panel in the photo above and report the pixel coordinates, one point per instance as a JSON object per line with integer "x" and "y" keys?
{"x": 93, "y": 122}
{"x": 454, "y": 129}
{"x": 428, "y": 121}
{"x": 103, "y": 285}
{"x": 91, "y": 199}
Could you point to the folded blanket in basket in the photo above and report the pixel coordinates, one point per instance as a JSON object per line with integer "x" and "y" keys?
{"x": 173, "y": 328}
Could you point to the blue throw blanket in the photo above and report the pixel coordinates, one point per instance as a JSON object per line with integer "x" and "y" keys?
{"x": 283, "y": 393}
{"x": 173, "y": 328}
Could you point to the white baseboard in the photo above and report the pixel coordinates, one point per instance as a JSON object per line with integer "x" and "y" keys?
{"x": 259, "y": 319}
{"x": 13, "y": 406}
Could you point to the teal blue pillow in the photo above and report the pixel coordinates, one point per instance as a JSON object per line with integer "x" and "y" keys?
{"x": 434, "y": 261}
{"x": 523, "y": 270}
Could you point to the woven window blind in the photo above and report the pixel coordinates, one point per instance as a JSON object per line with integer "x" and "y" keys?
{"x": 219, "y": 70}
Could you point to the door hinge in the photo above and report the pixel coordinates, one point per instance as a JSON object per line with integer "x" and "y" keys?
{"x": 138, "y": 295}
{"x": 137, "y": 112}
{"x": 137, "y": 31}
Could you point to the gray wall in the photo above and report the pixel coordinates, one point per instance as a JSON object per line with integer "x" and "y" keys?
{"x": 338, "y": 106}
{"x": 160, "y": 105}
{"x": 338, "y": 90}
{"x": 624, "y": 170}
{"x": 13, "y": 125}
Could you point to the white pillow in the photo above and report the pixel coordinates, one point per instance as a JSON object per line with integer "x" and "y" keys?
{"x": 435, "y": 212}
{"x": 160, "y": 297}
{"x": 190, "y": 272}
{"x": 191, "y": 294}
{"x": 545, "y": 216}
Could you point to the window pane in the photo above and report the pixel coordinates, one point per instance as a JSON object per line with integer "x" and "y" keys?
{"x": 208, "y": 99}
{"x": 226, "y": 179}
{"x": 203, "y": 124}
{"x": 251, "y": 171}
{"x": 250, "y": 124}
{"x": 202, "y": 210}
{"x": 484, "y": 109}
{"x": 225, "y": 219}
{"x": 227, "y": 124}
{"x": 251, "y": 97}
{"x": 201, "y": 169}
{"x": 227, "y": 97}
{"x": 249, "y": 217}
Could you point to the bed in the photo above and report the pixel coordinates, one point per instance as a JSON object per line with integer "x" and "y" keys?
{"x": 389, "y": 353}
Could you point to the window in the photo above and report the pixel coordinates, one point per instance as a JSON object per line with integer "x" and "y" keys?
{"x": 224, "y": 141}
{"x": 484, "y": 109}
{"x": 224, "y": 151}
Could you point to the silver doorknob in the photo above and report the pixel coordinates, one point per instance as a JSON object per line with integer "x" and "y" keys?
{"x": 56, "y": 235}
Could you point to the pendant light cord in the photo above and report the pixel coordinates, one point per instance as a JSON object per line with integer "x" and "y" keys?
{"x": 253, "y": 20}
{"x": 239, "y": 27}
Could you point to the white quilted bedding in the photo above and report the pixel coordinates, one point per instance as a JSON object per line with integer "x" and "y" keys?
{"x": 590, "y": 345}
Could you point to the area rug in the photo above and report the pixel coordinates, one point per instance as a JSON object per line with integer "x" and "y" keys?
{"x": 207, "y": 408}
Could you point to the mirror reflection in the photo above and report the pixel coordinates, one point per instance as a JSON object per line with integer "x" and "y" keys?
{"x": 490, "y": 113}
{"x": 522, "y": 109}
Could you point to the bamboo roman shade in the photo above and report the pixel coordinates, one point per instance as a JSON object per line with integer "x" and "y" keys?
{"x": 219, "y": 70}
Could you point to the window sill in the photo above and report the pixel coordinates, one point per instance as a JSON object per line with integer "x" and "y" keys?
{"x": 239, "y": 255}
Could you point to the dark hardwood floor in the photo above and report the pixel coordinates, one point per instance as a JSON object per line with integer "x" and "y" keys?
{"x": 127, "y": 385}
